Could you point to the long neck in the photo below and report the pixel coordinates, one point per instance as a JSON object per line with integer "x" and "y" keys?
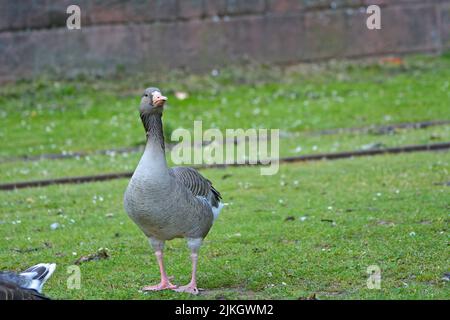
{"x": 155, "y": 147}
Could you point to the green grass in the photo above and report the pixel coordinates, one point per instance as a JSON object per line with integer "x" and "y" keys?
{"x": 343, "y": 216}
{"x": 388, "y": 211}
{"x": 297, "y": 145}
{"x": 47, "y": 116}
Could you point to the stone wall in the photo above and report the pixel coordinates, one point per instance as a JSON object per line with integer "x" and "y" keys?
{"x": 154, "y": 35}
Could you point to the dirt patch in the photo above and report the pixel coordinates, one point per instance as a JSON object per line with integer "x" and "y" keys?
{"x": 223, "y": 293}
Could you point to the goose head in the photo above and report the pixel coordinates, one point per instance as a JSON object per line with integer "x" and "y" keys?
{"x": 152, "y": 101}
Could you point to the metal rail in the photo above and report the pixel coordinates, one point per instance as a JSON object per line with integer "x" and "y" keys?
{"x": 312, "y": 157}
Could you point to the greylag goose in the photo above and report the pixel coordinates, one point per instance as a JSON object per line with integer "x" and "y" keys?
{"x": 26, "y": 285}
{"x": 167, "y": 203}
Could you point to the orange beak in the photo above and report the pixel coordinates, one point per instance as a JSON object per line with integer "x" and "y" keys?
{"x": 158, "y": 99}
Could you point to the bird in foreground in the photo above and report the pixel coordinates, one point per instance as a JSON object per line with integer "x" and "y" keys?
{"x": 26, "y": 285}
{"x": 168, "y": 203}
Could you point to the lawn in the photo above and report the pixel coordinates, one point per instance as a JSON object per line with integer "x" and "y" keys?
{"x": 314, "y": 228}
{"x": 49, "y": 116}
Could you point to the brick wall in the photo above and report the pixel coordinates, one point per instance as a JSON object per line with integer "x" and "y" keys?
{"x": 155, "y": 35}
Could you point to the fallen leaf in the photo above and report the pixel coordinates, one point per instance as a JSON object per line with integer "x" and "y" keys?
{"x": 102, "y": 253}
{"x": 396, "y": 61}
{"x": 55, "y": 226}
{"x": 310, "y": 297}
{"x": 373, "y": 146}
{"x": 180, "y": 95}
{"x": 226, "y": 176}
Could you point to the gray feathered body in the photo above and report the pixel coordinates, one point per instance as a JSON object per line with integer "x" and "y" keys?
{"x": 165, "y": 209}
{"x": 169, "y": 202}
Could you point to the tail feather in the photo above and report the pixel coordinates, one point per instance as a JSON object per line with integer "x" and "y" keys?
{"x": 216, "y": 210}
{"x": 38, "y": 275}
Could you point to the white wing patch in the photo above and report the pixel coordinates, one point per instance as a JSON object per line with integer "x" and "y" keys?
{"x": 215, "y": 210}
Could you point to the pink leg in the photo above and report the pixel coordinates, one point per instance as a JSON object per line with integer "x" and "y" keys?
{"x": 165, "y": 283}
{"x": 191, "y": 287}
